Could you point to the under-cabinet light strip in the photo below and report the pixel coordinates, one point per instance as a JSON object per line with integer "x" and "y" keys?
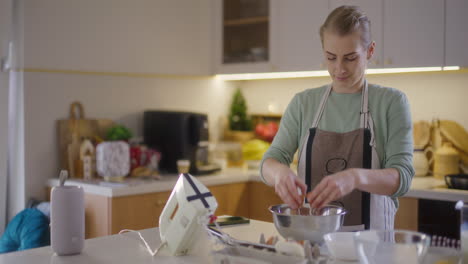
{"x": 305, "y": 74}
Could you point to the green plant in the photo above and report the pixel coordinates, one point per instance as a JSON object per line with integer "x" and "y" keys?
{"x": 238, "y": 119}
{"x": 118, "y": 132}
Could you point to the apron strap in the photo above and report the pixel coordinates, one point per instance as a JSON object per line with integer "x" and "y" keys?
{"x": 318, "y": 114}
{"x": 364, "y": 107}
{"x": 365, "y": 117}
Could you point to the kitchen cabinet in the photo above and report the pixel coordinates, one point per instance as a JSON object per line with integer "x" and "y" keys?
{"x": 293, "y": 42}
{"x": 233, "y": 199}
{"x": 456, "y": 33}
{"x": 136, "y": 211}
{"x": 108, "y": 215}
{"x": 413, "y": 33}
{"x": 119, "y": 37}
{"x": 374, "y": 10}
{"x": 407, "y": 214}
{"x": 439, "y": 218}
{"x": 262, "y": 196}
{"x": 295, "y": 30}
{"x": 243, "y": 39}
{"x": 433, "y": 217}
{"x": 142, "y": 211}
{"x": 407, "y": 34}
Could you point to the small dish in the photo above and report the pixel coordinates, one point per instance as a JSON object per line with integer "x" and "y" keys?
{"x": 341, "y": 245}
{"x": 443, "y": 255}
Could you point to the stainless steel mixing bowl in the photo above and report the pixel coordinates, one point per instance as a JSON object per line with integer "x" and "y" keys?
{"x": 306, "y": 223}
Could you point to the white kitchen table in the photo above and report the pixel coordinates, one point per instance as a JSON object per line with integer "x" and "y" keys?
{"x": 128, "y": 248}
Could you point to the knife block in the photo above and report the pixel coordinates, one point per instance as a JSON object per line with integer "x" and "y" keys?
{"x": 67, "y": 220}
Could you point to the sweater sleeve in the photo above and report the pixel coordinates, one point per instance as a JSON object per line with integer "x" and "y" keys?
{"x": 399, "y": 147}
{"x": 286, "y": 141}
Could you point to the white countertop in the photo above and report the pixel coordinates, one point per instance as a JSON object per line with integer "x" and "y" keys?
{"x": 128, "y": 248}
{"x": 435, "y": 189}
{"x": 421, "y": 187}
{"x": 167, "y": 183}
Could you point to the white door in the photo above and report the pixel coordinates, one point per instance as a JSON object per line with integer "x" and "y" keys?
{"x": 456, "y": 33}
{"x": 5, "y": 26}
{"x": 295, "y": 28}
{"x": 413, "y": 33}
{"x": 374, "y": 11}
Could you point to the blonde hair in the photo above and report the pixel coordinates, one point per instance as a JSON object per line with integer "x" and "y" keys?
{"x": 346, "y": 20}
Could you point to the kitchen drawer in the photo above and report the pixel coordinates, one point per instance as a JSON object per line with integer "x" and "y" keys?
{"x": 233, "y": 199}
{"x": 262, "y": 197}
{"x": 137, "y": 211}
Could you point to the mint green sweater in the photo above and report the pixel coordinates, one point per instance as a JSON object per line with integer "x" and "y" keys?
{"x": 392, "y": 126}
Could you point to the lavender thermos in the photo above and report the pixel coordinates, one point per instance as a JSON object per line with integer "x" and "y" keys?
{"x": 67, "y": 220}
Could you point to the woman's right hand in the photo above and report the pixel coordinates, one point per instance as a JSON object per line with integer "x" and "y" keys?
{"x": 287, "y": 186}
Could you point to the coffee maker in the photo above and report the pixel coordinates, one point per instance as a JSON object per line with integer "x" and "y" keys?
{"x": 179, "y": 135}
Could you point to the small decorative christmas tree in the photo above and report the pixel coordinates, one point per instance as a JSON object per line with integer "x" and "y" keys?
{"x": 238, "y": 119}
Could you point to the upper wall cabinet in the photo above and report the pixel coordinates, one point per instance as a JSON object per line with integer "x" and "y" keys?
{"x": 374, "y": 10}
{"x": 408, "y": 33}
{"x": 243, "y": 36}
{"x": 296, "y": 34}
{"x": 456, "y": 33}
{"x": 155, "y": 37}
{"x": 413, "y": 33}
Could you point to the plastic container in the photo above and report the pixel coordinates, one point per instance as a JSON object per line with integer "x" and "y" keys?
{"x": 341, "y": 245}
{"x": 67, "y": 220}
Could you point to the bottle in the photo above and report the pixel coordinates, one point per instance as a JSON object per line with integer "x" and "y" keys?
{"x": 446, "y": 161}
{"x": 67, "y": 220}
{"x": 420, "y": 162}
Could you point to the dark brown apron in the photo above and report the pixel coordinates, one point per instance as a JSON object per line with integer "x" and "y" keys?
{"x": 325, "y": 152}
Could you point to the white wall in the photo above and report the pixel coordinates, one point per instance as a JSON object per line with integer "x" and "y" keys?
{"x": 140, "y": 36}
{"x": 123, "y": 99}
{"x": 5, "y": 26}
{"x": 431, "y": 95}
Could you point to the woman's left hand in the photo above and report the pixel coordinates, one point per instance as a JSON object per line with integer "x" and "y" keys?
{"x": 333, "y": 187}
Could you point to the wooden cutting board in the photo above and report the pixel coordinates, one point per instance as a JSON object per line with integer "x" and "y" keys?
{"x": 82, "y": 128}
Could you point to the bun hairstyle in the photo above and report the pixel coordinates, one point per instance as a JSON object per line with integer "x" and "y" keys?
{"x": 346, "y": 20}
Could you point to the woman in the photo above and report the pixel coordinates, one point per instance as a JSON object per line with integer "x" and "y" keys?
{"x": 354, "y": 138}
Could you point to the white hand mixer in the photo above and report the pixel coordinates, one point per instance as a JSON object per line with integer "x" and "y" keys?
{"x": 184, "y": 217}
{"x": 186, "y": 214}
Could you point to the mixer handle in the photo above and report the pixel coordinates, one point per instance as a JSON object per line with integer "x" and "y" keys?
{"x": 167, "y": 214}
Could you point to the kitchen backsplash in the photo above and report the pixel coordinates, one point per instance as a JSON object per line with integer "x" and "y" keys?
{"x": 431, "y": 95}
